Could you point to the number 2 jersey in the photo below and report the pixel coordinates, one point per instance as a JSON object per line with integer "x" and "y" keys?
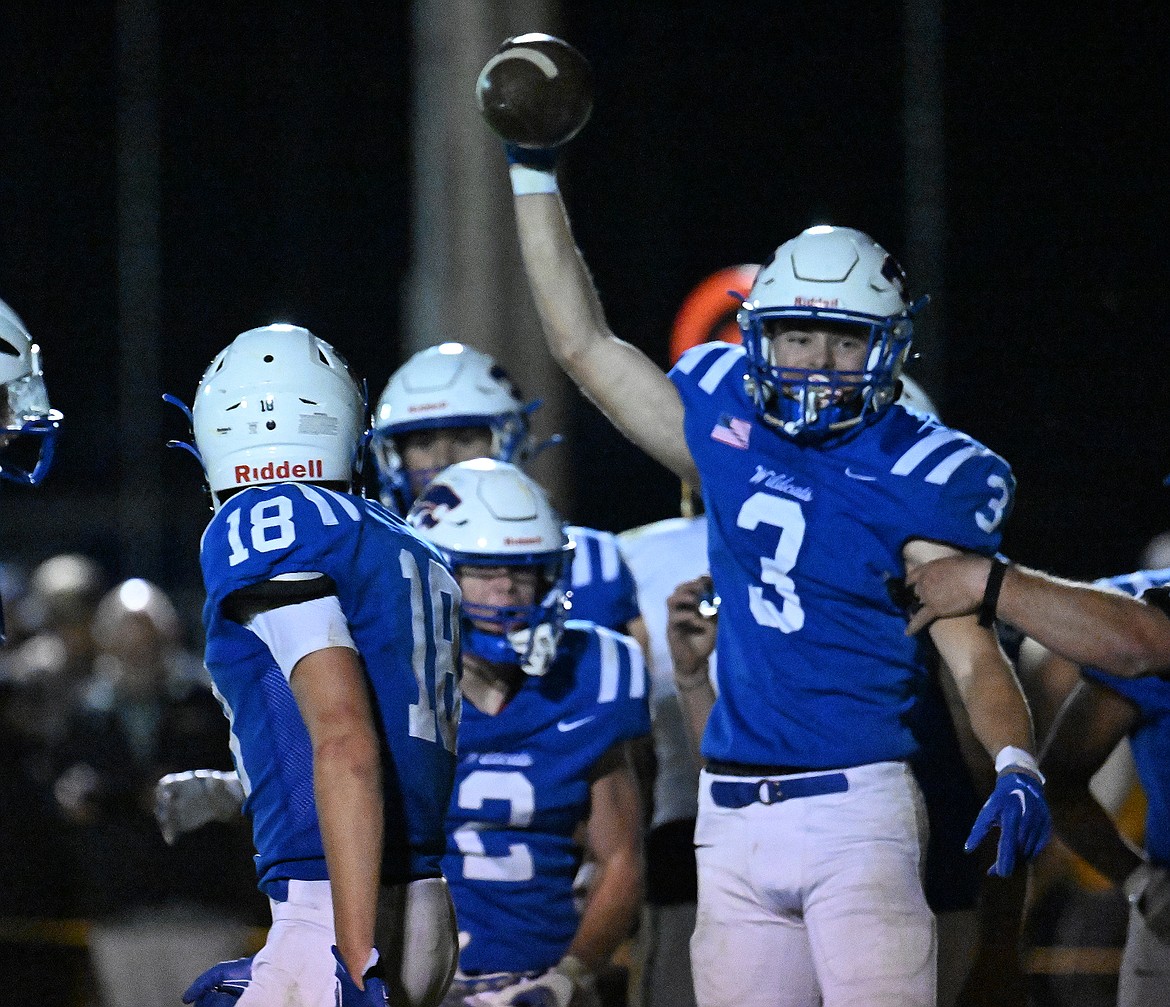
{"x": 805, "y": 543}
{"x": 402, "y": 607}
{"x": 523, "y": 787}
{"x": 1149, "y": 738}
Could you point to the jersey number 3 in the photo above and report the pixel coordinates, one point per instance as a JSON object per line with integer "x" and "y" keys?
{"x": 777, "y": 512}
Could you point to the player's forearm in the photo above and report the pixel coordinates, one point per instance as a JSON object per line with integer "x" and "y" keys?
{"x": 348, "y": 786}
{"x": 628, "y": 387}
{"x": 1088, "y": 625}
{"x": 986, "y": 685}
{"x": 696, "y": 699}
{"x": 1088, "y": 831}
{"x": 615, "y": 894}
{"x": 562, "y": 289}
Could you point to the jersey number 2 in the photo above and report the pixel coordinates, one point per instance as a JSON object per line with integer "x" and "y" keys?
{"x": 778, "y": 512}
{"x": 495, "y": 785}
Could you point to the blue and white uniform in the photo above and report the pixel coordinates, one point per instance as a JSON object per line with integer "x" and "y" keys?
{"x": 603, "y": 589}
{"x": 815, "y": 673}
{"x": 380, "y": 571}
{"x": 1146, "y": 961}
{"x": 522, "y": 788}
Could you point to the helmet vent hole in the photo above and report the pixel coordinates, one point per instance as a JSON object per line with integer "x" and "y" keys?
{"x": 309, "y": 402}
{"x": 321, "y": 354}
{"x": 219, "y": 367}
{"x": 236, "y": 406}
{"x": 8, "y": 349}
{"x": 268, "y": 358}
{"x": 271, "y": 424}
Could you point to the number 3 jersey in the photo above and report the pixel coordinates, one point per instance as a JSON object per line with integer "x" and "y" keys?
{"x": 522, "y": 788}
{"x": 402, "y": 607}
{"x": 805, "y": 543}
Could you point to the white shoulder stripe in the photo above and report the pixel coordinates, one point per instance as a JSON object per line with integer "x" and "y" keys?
{"x": 610, "y": 560}
{"x": 718, "y": 370}
{"x": 690, "y": 360}
{"x": 927, "y": 446}
{"x": 345, "y": 504}
{"x": 581, "y": 570}
{"x": 946, "y": 468}
{"x": 637, "y": 671}
{"x": 609, "y": 665}
{"x": 314, "y": 497}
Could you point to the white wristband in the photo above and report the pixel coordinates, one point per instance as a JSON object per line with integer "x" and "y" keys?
{"x": 1009, "y": 755}
{"x": 532, "y": 181}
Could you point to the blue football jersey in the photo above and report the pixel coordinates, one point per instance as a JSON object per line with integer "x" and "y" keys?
{"x": 521, "y": 789}
{"x": 402, "y": 606}
{"x": 804, "y": 539}
{"x": 1149, "y": 739}
{"x": 602, "y": 585}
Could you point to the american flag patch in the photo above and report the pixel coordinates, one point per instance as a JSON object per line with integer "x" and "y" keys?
{"x": 732, "y": 431}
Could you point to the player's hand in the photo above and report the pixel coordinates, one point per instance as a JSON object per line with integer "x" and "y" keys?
{"x": 221, "y": 985}
{"x": 690, "y": 630}
{"x": 373, "y": 993}
{"x": 553, "y": 988}
{"x": 1018, "y": 808}
{"x": 187, "y": 801}
{"x": 947, "y": 587}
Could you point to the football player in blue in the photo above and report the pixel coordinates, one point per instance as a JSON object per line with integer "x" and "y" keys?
{"x": 549, "y": 707}
{"x": 820, "y": 492}
{"x": 332, "y": 640}
{"x": 450, "y": 403}
{"x": 1103, "y": 709}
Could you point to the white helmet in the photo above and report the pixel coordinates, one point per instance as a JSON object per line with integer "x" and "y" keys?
{"x": 488, "y": 513}
{"x": 278, "y": 405}
{"x": 830, "y": 274}
{"x": 450, "y": 385}
{"x": 28, "y": 426}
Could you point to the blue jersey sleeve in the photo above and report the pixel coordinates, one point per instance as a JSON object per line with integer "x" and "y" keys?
{"x": 264, "y": 533}
{"x": 603, "y": 587}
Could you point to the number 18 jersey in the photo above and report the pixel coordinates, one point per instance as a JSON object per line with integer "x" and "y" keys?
{"x": 814, "y": 668}
{"x": 402, "y": 607}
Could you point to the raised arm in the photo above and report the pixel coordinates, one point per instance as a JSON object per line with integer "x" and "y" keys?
{"x": 636, "y": 396}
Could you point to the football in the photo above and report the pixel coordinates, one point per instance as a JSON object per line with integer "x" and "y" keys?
{"x": 536, "y": 91}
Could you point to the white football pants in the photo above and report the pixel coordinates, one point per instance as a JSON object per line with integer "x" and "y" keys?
{"x": 815, "y": 900}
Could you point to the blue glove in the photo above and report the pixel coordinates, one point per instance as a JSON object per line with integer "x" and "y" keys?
{"x": 1018, "y": 807}
{"x": 374, "y": 995}
{"x": 540, "y": 158}
{"x": 221, "y": 985}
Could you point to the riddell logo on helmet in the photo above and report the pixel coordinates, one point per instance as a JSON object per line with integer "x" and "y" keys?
{"x": 816, "y": 302}
{"x": 426, "y": 407}
{"x": 525, "y": 540}
{"x": 279, "y": 471}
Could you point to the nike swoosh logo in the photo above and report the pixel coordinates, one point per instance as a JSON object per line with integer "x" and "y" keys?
{"x": 572, "y": 725}
{"x": 857, "y": 475}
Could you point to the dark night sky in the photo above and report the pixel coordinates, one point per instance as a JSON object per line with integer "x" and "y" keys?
{"x": 719, "y": 130}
